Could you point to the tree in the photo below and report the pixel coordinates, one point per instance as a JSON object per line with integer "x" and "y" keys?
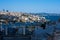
{"x": 59, "y": 20}
{"x": 7, "y": 11}
{"x": 43, "y": 25}
{"x": 3, "y": 10}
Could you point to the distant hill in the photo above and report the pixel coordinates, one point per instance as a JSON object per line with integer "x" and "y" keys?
{"x": 46, "y": 14}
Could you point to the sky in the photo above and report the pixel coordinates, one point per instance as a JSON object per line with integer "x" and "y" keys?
{"x": 31, "y": 6}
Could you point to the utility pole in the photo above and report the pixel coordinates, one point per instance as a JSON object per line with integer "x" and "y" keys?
{"x": 6, "y": 27}
{"x": 23, "y": 30}
{"x": 0, "y": 26}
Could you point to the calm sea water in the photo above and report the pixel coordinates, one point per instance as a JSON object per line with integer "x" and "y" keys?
{"x": 52, "y": 18}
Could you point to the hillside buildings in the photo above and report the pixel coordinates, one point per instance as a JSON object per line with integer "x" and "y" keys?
{"x": 24, "y": 17}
